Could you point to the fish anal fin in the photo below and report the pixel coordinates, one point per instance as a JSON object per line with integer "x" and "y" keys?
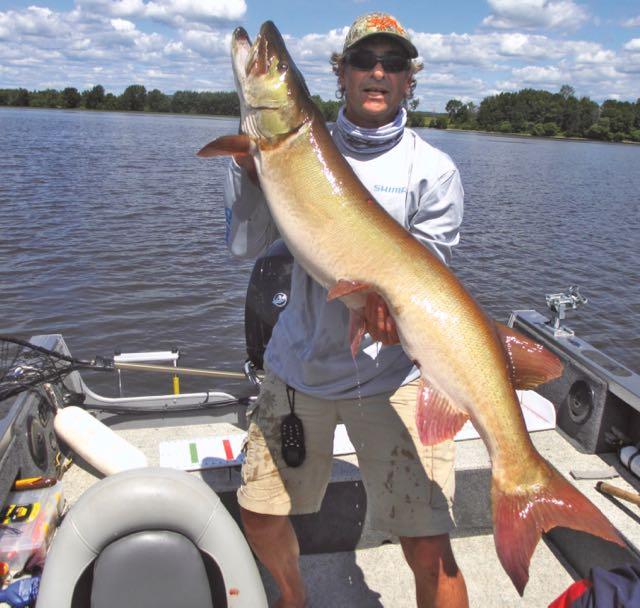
{"x": 521, "y": 516}
{"x": 227, "y": 145}
{"x": 437, "y": 418}
{"x": 345, "y": 288}
{"x": 531, "y": 364}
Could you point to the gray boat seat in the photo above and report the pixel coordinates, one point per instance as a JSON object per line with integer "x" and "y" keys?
{"x": 150, "y": 538}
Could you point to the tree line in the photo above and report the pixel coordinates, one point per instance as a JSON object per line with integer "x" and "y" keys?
{"x": 136, "y": 98}
{"x": 529, "y": 111}
{"x": 541, "y": 113}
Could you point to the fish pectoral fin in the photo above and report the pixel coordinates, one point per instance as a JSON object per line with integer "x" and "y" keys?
{"x": 531, "y": 364}
{"x": 354, "y": 295}
{"x": 437, "y": 418}
{"x": 345, "y": 288}
{"x": 228, "y": 145}
{"x": 357, "y": 329}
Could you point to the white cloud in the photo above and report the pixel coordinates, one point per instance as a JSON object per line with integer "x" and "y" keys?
{"x": 207, "y": 43}
{"x": 129, "y": 9}
{"x": 181, "y": 12}
{"x": 540, "y": 75}
{"x": 118, "y": 42}
{"x": 123, "y": 25}
{"x": 633, "y": 22}
{"x": 33, "y": 21}
{"x": 177, "y": 13}
{"x": 633, "y": 45}
{"x": 508, "y": 14}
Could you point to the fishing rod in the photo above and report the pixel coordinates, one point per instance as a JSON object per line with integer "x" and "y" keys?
{"x": 24, "y": 365}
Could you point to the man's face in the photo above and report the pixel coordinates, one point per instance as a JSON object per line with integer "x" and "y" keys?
{"x": 374, "y": 95}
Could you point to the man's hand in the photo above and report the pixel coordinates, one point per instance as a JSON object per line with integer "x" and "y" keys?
{"x": 378, "y": 321}
{"x": 248, "y": 164}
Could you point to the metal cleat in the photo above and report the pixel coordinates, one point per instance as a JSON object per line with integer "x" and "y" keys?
{"x": 559, "y": 303}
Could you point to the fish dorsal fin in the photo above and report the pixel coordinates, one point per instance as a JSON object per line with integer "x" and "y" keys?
{"x": 228, "y": 145}
{"x": 437, "y": 418}
{"x": 531, "y": 363}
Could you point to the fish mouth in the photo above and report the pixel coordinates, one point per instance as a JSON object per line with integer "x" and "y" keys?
{"x": 268, "y": 48}
{"x": 271, "y": 89}
{"x": 240, "y": 51}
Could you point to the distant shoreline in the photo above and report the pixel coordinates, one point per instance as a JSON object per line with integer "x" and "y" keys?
{"x": 230, "y": 117}
{"x": 530, "y": 136}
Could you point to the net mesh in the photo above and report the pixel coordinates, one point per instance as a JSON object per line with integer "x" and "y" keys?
{"x": 24, "y": 366}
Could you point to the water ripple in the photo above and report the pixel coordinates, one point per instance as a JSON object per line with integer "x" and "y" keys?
{"x": 112, "y": 233}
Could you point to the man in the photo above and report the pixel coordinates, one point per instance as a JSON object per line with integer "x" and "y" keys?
{"x": 309, "y": 366}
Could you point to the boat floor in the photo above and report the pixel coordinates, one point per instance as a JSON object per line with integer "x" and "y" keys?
{"x": 373, "y": 572}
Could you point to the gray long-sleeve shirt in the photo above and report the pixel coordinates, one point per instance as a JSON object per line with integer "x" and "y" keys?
{"x": 420, "y": 188}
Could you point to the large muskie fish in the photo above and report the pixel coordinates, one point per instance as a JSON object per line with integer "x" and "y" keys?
{"x": 350, "y": 245}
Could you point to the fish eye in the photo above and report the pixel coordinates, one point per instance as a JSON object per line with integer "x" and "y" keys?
{"x": 283, "y": 66}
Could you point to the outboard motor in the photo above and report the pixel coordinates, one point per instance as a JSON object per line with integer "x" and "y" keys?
{"x": 267, "y": 296}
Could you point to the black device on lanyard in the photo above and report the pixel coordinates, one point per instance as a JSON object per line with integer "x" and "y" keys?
{"x": 292, "y": 434}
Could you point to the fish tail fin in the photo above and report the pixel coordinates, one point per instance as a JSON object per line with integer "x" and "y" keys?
{"x": 523, "y": 514}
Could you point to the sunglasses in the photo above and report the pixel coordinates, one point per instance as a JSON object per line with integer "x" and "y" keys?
{"x": 364, "y": 59}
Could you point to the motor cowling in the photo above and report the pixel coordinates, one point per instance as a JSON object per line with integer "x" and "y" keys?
{"x": 267, "y": 296}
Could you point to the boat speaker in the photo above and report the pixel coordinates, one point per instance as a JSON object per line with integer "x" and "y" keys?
{"x": 587, "y": 413}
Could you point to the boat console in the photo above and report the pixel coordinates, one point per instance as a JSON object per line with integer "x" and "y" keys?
{"x": 597, "y": 399}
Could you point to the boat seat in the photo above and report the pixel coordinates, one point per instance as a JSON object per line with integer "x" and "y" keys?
{"x": 150, "y": 538}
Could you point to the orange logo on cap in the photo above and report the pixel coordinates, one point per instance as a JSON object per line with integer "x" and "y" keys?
{"x": 385, "y": 22}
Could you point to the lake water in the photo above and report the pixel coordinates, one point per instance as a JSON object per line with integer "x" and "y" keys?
{"x": 112, "y": 234}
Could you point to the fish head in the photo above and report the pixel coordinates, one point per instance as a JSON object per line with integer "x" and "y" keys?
{"x": 274, "y": 99}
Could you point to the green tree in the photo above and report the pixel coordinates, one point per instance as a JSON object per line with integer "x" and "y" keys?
{"x": 134, "y": 98}
{"x": 110, "y": 102}
{"x": 20, "y": 97}
{"x": 600, "y": 130}
{"x": 47, "y": 98}
{"x": 452, "y": 108}
{"x": 157, "y": 101}
{"x": 621, "y": 115}
{"x": 93, "y": 98}
{"x": 567, "y": 91}
{"x": 588, "y": 114}
{"x": 71, "y": 98}
{"x": 537, "y": 129}
{"x": 328, "y": 108}
{"x": 440, "y": 122}
{"x": 184, "y": 101}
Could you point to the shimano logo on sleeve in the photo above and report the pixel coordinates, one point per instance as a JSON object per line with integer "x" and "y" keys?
{"x": 389, "y": 189}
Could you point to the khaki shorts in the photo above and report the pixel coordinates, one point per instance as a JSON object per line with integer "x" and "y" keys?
{"x": 409, "y": 486}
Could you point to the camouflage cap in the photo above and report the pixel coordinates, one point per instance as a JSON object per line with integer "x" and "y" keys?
{"x": 376, "y": 24}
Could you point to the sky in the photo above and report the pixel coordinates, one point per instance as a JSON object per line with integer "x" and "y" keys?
{"x": 470, "y": 48}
